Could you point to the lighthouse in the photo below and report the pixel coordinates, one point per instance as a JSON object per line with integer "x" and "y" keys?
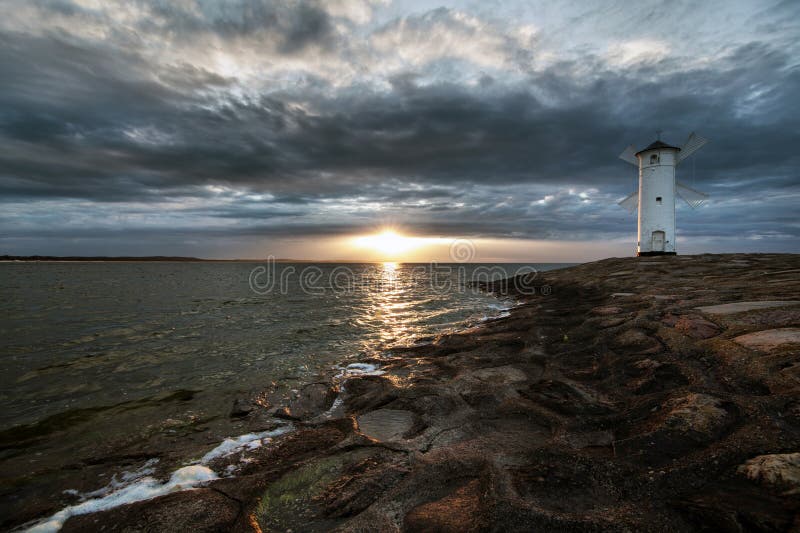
{"x": 654, "y": 201}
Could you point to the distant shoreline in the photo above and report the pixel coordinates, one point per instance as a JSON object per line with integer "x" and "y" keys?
{"x": 126, "y": 259}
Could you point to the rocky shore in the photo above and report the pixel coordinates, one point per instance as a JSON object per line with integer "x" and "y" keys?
{"x": 657, "y": 394}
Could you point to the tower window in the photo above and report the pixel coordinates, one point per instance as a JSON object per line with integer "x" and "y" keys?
{"x": 658, "y": 200}
{"x": 654, "y": 159}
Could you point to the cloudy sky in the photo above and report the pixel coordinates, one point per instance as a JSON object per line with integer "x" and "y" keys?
{"x": 245, "y": 128}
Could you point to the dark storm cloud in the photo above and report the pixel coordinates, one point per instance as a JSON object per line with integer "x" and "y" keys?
{"x": 295, "y": 25}
{"x": 84, "y": 119}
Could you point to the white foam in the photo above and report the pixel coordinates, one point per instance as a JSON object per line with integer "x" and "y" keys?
{"x": 337, "y": 403}
{"x": 143, "y": 489}
{"x": 351, "y": 370}
{"x": 250, "y": 441}
{"x": 147, "y": 469}
{"x": 359, "y": 369}
{"x": 501, "y": 314}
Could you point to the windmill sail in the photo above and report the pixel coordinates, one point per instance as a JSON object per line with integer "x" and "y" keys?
{"x": 631, "y": 203}
{"x": 691, "y": 196}
{"x": 629, "y": 156}
{"x": 692, "y": 144}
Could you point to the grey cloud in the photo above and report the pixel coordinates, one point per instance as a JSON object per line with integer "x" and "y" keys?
{"x": 441, "y": 133}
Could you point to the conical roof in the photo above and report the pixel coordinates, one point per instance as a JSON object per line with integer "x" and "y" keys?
{"x": 657, "y": 145}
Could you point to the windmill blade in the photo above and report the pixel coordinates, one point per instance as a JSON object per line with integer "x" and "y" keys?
{"x": 691, "y": 196}
{"x": 692, "y": 144}
{"x": 631, "y": 203}
{"x": 629, "y": 156}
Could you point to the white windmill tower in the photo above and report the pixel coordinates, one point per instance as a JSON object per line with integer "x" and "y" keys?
{"x": 655, "y": 199}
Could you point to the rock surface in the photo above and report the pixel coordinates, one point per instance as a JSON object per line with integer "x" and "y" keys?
{"x": 769, "y": 339}
{"x": 739, "y": 307}
{"x": 311, "y": 401}
{"x": 595, "y": 406}
{"x": 775, "y": 469}
{"x": 386, "y": 424}
{"x": 696, "y": 412}
{"x": 696, "y": 327}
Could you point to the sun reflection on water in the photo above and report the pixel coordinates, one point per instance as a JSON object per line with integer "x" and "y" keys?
{"x": 389, "y": 303}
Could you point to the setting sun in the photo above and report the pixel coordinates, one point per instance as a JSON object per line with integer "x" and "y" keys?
{"x": 388, "y": 242}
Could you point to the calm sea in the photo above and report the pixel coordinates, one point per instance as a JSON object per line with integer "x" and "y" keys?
{"x": 103, "y": 360}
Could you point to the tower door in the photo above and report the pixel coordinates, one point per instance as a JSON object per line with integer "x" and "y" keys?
{"x": 658, "y": 241}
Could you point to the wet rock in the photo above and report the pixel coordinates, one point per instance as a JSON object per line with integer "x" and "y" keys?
{"x": 670, "y": 320}
{"x": 296, "y": 501}
{"x": 459, "y": 511}
{"x": 770, "y": 339}
{"x": 500, "y": 374}
{"x": 564, "y": 398}
{"x": 569, "y": 487}
{"x": 620, "y": 273}
{"x": 386, "y": 424}
{"x": 197, "y": 510}
{"x": 768, "y": 318}
{"x": 781, "y": 469}
{"x": 696, "y": 327}
{"x": 722, "y": 508}
{"x": 610, "y": 322}
{"x": 656, "y": 377}
{"x": 636, "y": 341}
{"x": 738, "y": 307}
{"x": 368, "y": 392}
{"x": 312, "y": 400}
{"x": 646, "y": 364}
{"x": 607, "y": 310}
{"x": 241, "y": 408}
{"x": 684, "y": 425}
{"x": 700, "y": 413}
{"x": 590, "y": 439}
{"x": 283, "y": 413}
{"x": 360, "y": 485}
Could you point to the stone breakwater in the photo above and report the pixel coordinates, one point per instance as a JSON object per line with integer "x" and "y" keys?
{"x": 658, "y": 394}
